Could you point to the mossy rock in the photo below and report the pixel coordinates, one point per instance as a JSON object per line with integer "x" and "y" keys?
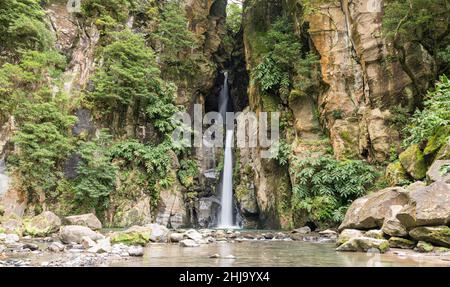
{"x": 439, "y": 235}
{"x": 444, "y": 152}
{"x": 403, "y": 243}
{"x": 424, "y": 247}
{"x": 413, "y": 161}
{"x": 135, "y": 235}
{"x": 436, "y": 142}
{"x": 396, "y": 174}
{"x": 2, "y": 230}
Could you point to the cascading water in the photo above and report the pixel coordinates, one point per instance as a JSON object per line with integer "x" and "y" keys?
{"x": 226, "y": 213}
{"x": 4, "y": 179}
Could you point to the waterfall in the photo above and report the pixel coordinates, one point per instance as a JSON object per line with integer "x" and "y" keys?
{"x": 4, "y": 179}
{"x": 226, "y": 213}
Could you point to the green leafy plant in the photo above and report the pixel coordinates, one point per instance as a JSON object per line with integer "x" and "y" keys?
{"x": 324, "y": 186}
{"x": 436, "y": 114}
{"x": 187, "y": 172}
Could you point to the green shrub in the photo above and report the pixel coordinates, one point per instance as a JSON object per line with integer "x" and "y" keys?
{"x": 436, "y": 114}
{"x": 96, "y": 175}
{"x": 324, "y": 186}
{"x": 187, "y": 172}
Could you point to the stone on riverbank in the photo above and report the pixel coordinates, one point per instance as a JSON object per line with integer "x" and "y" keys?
{"x": 75, "y": 234}
{"x": 188, "y": 243}
{"x": 141, "y": 235}
{"x": 438, "y": 235}
{"x": 413, "y": 161}
{"x": 42, "y": 225}
{"x": 348, "y": 234}
{"x": 56, "y": 247}
{"x": 302, "y": 230}
{"x": 424, "y": 247}
{"x": 136, "y": 251}
{"x": 397, "y": 242}
{"x": 12, "y": 224}
{"x": 375, "y": 233}
{"x": 364, "y": 244}
{"x": 393, "y": 227}
{"x": 370, "y": 211}
{"x": 428, "y": 206}
{"x": 176, "y": 237}
{"x": 88, "y": 220}
{"x": 434, "y": 173}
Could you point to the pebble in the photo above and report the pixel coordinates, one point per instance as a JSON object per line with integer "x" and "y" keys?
{"x": 214, "y": 256}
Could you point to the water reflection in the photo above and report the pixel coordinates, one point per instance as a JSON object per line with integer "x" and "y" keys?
{"x": 270, "y": 254}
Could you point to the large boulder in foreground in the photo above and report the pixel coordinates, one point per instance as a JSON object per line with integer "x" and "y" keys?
{"x": 364, "y": 244}
{"x": 88, "y": 220}
{"x": 42, "y": 225}
{"x": 427, "y": 206}
{"x": 438, "y": 235}
{"x": 370, "y": 211}
{"x": 75, "y": 233}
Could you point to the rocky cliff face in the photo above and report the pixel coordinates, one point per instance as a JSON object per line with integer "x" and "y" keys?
{"x": 360, "y": 84}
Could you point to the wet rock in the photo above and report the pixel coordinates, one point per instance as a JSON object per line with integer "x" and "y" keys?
{"x": 136, "y": 251}
{"x": 413, "y": 161}
{"x": 188, "y": 243}
{"x": 427, "y": 206}
{"x": 397, "y": 242}
{"x": 30, "y": 246}
{"x": 364, "y": 244}
{"x": 435, "y": 173}
{"x": 102, "y": 246}
{"x": 214, "y": 256}
{"x": 370, "y": 211}
{"x": 193, "y": 234}
{"x": 88, "y": 220}
{"x": 87, "y": 242}
{"x": 438, "y": 235}
{"x": 268, "y": 236}
{"x": 42, "y": 225}
{"x": 302, "y": 230}
{"x": 348, "y": 234}
{"x": 377, "y": 234}
{"x": 424, "y": 247}
{"x": 230, "y": 257}
{"x": 176, "y": 237}
{"x": 56, "y": 247}
{"x": 75, "y": 233}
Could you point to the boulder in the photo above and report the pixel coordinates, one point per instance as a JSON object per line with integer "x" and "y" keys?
{"x": 42, "y": 225}
{"x": 435, "y": 172}
{"x": 87, "y": 242}
{"x": 375, "y": 233}
{"x": 397, "y": 242}
{"x": 159, "y": 233}
{"x": 364, "y": 244}
{"x": 56, "y": 247}
{"x": 75, "y": 233}
{"x": 348, "y": 234}
{"x": 413, "y": 161}
{"x": 176, "y": 237}
{"x": 88, "y": 220}
{"x": 136, "y": 251}
{"x": 136, "y": 235}
{"x": 424, "y": 247}
{"x": 188, "y": 243}
{"x": 427, "y": 206}
{"x": 438, "y": 235}
{"x": 444, "y": 152}
{"x": 370, "y": 211}
{"x": 193, "y": 234}
{"x": 102, "y": 246}
{"x": 396, "y": 174}
{"x": 302, "y": 230}
{"x": 12, "y": 224}
{"x": 329, "y": 233}
{"x": 11, "y": 238}
{"x": 393, "y": 227}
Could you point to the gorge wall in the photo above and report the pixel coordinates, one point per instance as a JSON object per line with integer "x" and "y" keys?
{"x": 355, "y": 86}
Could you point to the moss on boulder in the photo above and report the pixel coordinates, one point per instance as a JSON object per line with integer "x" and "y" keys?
{"x": 413, "y": 161}
{"x": 403, "y": 243}
{"x": 438, "y": 235}
{"x": 396, "y": 175}
{"x": 42, "y": 225}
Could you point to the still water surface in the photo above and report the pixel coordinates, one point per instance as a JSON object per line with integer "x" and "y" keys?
{"x": 267, "y": 253}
